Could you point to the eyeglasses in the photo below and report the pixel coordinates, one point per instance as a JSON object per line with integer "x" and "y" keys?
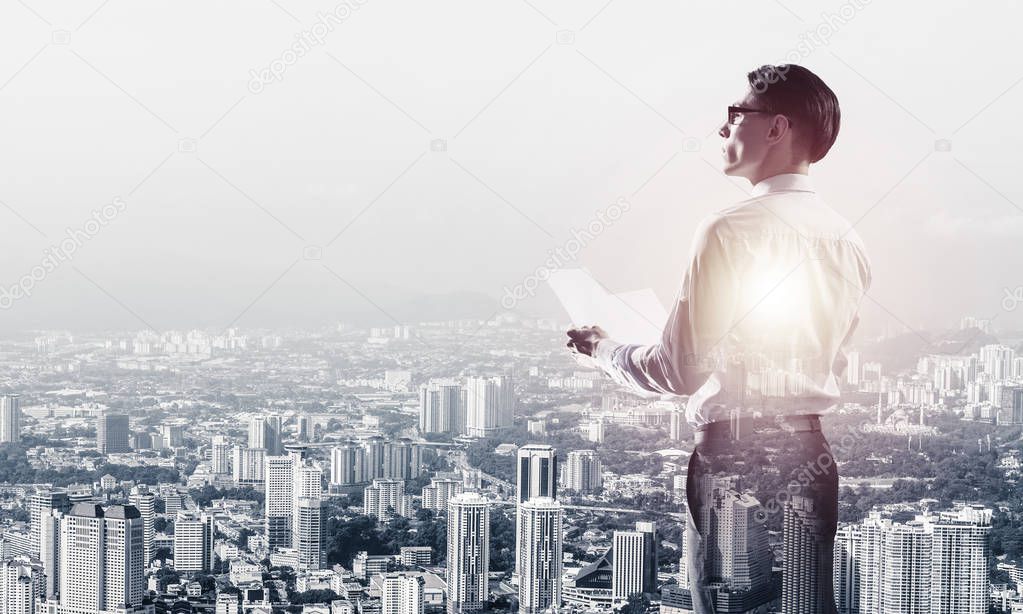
{"x": 734, "y": 113}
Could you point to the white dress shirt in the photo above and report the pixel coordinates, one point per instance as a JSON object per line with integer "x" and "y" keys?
{"x": 768, "y": 301}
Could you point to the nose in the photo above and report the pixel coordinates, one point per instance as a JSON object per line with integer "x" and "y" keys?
{"x": 723, "y": 131}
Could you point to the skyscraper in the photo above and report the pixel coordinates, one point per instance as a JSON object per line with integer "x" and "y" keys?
{"x": 49, "y": 549}
{"x": 247, "y": 465}
{"x": 539, "y": 555}
{"x": 583, "y": 471}
{"x": 635, "y": 562}
{"x": 10, "y": 418}
{"x": 468, "y": 553}
{"x": 402, "y": 460}
{"x": 807, "y": 574}
{"x": 937, "y": 563}
{"x": 265, "y": 432}
{"x": 112, "y": 433}
{"x": 279, "y": 493}
{"x": 145, "y": 502}
{"x": 22, "y": 582}
{"x": 738, "y": 558}
{"x": 101, "y": 559}
{"x": 310, "y": 532}
{"x": 193, "y": 542}
{"x": 40, "y": 505}
{"x": 347, "y": 464}
{"x": 440, "y": 407}
{"x": 401, "y": 594}
{"x": 220, "y": 461}
{"x": 490, "y": 404}
{"x": 537, "y": 476}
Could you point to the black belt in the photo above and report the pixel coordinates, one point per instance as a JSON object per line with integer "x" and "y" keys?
{"x": 740, "y": 428}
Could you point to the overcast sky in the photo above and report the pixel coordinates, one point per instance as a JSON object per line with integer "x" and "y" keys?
{"x": 540, "y": 130}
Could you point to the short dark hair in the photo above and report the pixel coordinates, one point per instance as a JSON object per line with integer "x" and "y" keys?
{"x": 794, "y": 91}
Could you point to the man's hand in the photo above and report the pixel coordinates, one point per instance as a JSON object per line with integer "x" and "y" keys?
{"x": 584, "y": 340}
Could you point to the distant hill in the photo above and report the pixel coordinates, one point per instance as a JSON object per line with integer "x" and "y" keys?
{"x": 902, "y": 351}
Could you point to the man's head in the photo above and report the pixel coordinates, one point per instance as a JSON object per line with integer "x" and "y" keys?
{"x": 787, "y": 120}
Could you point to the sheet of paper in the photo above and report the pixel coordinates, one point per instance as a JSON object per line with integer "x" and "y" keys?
{"x": 628, "y": 317}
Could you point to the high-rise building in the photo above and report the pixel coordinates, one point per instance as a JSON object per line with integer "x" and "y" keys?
{"x": 440, "y": 490}
{"x": 848, "y": 543}
{"x": 347, "y": 465}
{"x": 738, "y": 560}
{"x": 112, "y": 433}
{"x": 305, "y": 428}
{"x": 279, "y": 501}
{"x": 101, "y": 565}
{"x": 468, "y": 557}
{"x": 402, "y": 593}
{"x": 173, "y": 435}
{"x": 490, "y": 404}
{"x": 10, "y": 418}
{"x": 49, "y": 549}
{"x": 539, "y": 555}
{"x": 310, "y": 532}
{"x": 385, "y": 499}
{"x": 374, "y": 453}
{"x": 1010, "y": 405}
{"x": 635, "y": 562}
{"x": 265, "y": 432}
{"x": 937, "y": 563}
{"x": 22, "y": 584}
{"x": 220, "y": 461}
{"x": 807, "y": 574}
{"x": 193, "y": 542}
{"x": 402, "y": 460}
{"x": 440, "y": 407}
{"x": 583, "y": 471}
{"x": 145, "y": 502}
{"x": 537, "y": 476}
{"x": 40, "y": 505}
{"x": 247, "y": 465}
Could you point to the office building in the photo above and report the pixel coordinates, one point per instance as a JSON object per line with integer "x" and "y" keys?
{"x": 279, "y": 501}
{"x": 468, "y": 556}
{"x": 101, "y": 567}
{"x": 634, "y": 568}
{"x": 10, "y": 418}
{"x": 40, "y": 505}
{"x": 112, "y": 433}
{"x": 145, "y": 502}
{"x": 539, "y": 555}
{"x": 583, "y": 471}
{"x": 173, "y": 435}
{"x": 807, "y": 573}
{"x": 440, "y": 490}
{"x": 193, "y": 542}
{"x": 401, "y": 594}
{"x": 305, "y": 428}
{"x": 537, "y": 476}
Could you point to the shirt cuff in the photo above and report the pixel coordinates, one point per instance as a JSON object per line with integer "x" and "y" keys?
{"x": 604, "y": 354}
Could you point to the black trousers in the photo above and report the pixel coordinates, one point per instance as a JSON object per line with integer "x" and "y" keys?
{"x": 742, "y": 495}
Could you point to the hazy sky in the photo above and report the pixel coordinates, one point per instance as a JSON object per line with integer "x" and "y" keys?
{"x": 98, "y": 101}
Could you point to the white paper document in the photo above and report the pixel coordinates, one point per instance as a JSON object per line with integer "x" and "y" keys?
{"x": 628, "y": 317}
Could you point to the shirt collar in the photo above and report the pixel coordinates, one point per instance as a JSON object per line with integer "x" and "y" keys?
{"x": 784, "y": 181}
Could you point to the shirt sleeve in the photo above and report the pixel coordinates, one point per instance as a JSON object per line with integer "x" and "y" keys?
{"x": 696, "y": 330}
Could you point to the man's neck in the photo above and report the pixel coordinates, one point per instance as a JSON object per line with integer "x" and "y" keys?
{"x": 802, "y": 168}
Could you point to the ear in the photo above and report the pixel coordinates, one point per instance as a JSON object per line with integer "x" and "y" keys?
{"x": 778, "y": 128}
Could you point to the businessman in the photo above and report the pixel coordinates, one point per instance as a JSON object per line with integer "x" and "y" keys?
{"x": 755, "y": 341}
